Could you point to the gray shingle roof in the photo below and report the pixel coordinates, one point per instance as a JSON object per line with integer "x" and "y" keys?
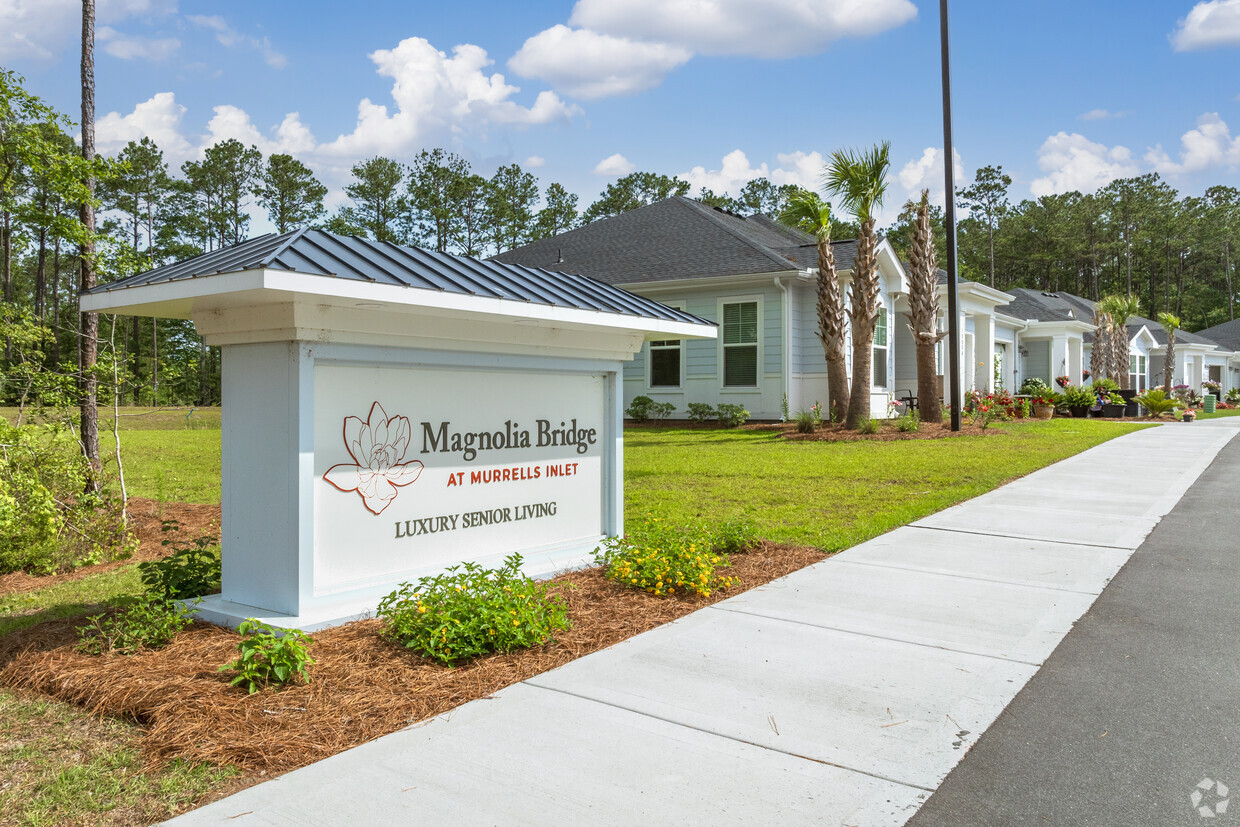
{"x": 677, "y": 238}
{"x": 316, "y": 253}
{"x": 1226, "y": 334}
{"x": 1054, "y": 307}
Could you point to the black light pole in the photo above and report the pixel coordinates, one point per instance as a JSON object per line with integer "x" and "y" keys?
{"x": 953, "y": 314}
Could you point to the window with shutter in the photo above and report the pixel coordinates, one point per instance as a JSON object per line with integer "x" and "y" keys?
{"x": 740, "y": 345}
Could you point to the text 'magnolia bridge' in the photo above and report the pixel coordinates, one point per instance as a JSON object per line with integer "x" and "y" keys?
{"x": 389, "y": 411}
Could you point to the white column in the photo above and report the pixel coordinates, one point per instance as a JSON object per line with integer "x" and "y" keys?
{"x": 1059, "y": 357}
{"x": 1076, "y": 356}
{"x": 985, "y": 327}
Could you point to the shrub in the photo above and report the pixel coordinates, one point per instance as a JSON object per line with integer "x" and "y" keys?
{"x": 909, "y": 424}
{"x": 1157, "y": 402}
{"x": 661, "y": 410}
{"x": 1033, "y": 386}
{"x": 639, "y": 409}
{"x": 731, "y": 416}
{"x": 735, "y": 537}
{"x": 192, "y": 571}
{"x": 1105, "y": 384}
{"x": 50, "y": 517}
{"x": 701, "y": 412}
{"x": 870, "y": 426}
{"x": 269, "y": 657}
{"x": 663, "y": 559}
{"x": 1076, "y": 396}
{"x": 142, "y": 623}
{"x": 807, "y": 423}
{"x": 468, "y": 611}
{"x": 1233, "y": 396}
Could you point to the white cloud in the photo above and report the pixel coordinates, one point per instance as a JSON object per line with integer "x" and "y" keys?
{"x": 614, "y": 166}
{"x": 41, "y": 29}
{"x": 799, "y": 169}
{"x": 159, "y": 118}
{"x": 1208, "y": 24}
{"x": 1208, "y": 146}
{"x": 535, "y": 161}
{"x": 436, "y": 95}
{"x": 128, "y": 47}
{"x": 1101, "y": 115}
{"x": 927, "y": 172}
{"x": 227, "y": 36}
{"x": 734, "y": 172}
{"x": 588, "y": 65}
{"x": 1073, "y": 162}
{"x": 774, "y": 28}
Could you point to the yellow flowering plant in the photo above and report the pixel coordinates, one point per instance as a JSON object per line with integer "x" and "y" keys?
{"x": 469, "y": 611}
{"x": 665, "y": 559}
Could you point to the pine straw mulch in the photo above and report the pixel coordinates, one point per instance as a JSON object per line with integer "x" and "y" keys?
{"x": 361, "y": 686}
{"x": 145, "y": 521}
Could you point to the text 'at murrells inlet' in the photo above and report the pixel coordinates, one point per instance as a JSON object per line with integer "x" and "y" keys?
{"x": 468, "y": 443}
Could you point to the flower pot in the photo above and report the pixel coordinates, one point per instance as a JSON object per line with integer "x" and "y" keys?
{"x": 1079, "y": 413}
{"x": 1043, "y": 411}
{"x": 1113, "y": 411}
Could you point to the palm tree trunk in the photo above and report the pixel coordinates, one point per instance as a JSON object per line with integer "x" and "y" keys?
{"x": 831, "y": 330}
{"x": 863, "y": 313}
{"x": 1169, "y": 364}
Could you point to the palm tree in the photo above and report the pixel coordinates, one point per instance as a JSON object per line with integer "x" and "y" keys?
{"x": 1120, "y": 309}
{"x": 1170, "y": 324}
{"x": 89, "y": 337}
{"x": 1104, "y": 334}
{"x": 807, "y": 211}
{"x": 923, "y": 304}
{"x": 859, "y": 178}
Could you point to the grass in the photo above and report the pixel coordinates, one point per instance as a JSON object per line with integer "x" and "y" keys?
{"x": 1217, "y": 414}
{"x": 833, "y": 495}
{"x": 63, "y": 766}
{"x": 142, "y": 419}
{"x": 172, "y": 466}
{"x": 68, "y": 598}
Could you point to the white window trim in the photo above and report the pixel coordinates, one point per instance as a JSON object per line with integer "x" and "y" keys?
{"x": 882, "y": 305}
{"x": 759, "y": 373}
{"x": 677, "y": 389}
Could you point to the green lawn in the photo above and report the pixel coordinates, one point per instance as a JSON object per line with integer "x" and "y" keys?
{"x": 835, "y": 494}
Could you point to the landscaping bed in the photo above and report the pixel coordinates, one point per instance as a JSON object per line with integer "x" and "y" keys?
{"x": 362, "y": 685}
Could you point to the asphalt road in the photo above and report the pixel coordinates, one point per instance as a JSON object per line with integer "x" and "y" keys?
{"x": 1139, "y": 704}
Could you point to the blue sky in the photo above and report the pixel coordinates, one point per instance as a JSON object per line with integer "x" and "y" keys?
{"x": 1064, "y": 95}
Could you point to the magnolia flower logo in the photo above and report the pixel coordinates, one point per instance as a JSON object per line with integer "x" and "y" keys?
{"x": 377, "y": 447}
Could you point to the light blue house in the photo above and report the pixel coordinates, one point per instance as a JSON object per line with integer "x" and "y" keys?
{"x": 752, "y": 276}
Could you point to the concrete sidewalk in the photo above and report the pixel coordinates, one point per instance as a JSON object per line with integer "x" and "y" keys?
{"x": 841, "y": 694}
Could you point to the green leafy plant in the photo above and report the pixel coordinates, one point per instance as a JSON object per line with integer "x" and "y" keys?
{"x": 269, "y": 656}
{"x": 807, "y": 423}
{"x": 664, "y": 559}
{"x": 783, "y": 408}
{"x": 1033, "y": 386}
{"x": 468, "y": 611}
{"x": 660, "y": 411}
{"x": 869, "y": 426}
{"x": 1114, "y": 398}
{"x": 193, "y": 570}
{"x": 142, "y": 623}
{"x": 700, "y": 412}
{"x": 735, "y": 536}
{"x": 1077, "y": 396}
{"x": 730, "y": 415}
{"x": 639, "y": 409}
{"x": 1157, "y": 402}
{"x": 51, "y": 518}
{"x": 909, "y": 424}
{"x": 1105, "y": 384}
{"x": 1233, "y": 396}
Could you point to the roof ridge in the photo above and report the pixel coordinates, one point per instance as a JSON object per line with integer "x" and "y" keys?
{"x": 708, "y": 213}
{"x": 275, "y": 254}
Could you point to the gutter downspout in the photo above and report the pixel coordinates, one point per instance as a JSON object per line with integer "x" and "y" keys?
{"x": 787, "y": 346}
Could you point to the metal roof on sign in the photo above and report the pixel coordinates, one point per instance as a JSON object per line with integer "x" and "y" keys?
{"x": 322, "y": 254}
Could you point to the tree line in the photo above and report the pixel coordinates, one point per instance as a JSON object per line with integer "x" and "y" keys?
{"x": 1135, "y": 236}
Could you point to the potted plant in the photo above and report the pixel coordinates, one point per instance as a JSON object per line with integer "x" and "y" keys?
{"x": 1078, "y": 400}
{"x": 1189, "y": 415}
{"x": 1113, "y": 406}
{"x": 1044, "y": 403}
{"x": 1213, "y": 388}
{"x": 1063, "y": 381}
